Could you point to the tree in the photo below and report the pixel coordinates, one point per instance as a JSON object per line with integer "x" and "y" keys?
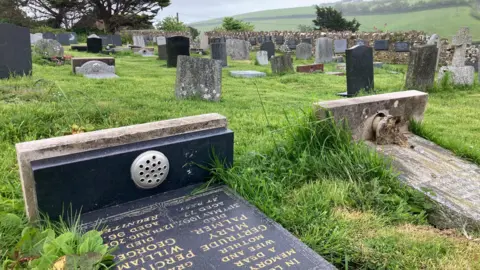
{"x": 171, "y": 24}
{"x": 194, "y": 33}
{"x": 330, "y": 19}
{"x": 11, "y": 13}
{"x": 57, "y": 13}
{"x": 231, "y": 24}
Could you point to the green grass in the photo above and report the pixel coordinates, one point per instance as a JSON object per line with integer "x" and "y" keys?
{"x": 338, "y": 198}
{"x": 444, "y": 21}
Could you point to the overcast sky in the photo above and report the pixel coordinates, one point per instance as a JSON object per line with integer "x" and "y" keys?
{"x": 200, "y": 10}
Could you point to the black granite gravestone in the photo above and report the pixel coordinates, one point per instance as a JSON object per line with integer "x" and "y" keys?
{"x": 359, "y": 70}
{"x": 381, "y": 45}
{"x": 269, "y": 47}
{"x": 176, "y": 46}
{"x": 49, "y": 35}
{"x": 15, "y": 51}
{"x": 94, "y": 44}
{"x": 63, "y": 38}
{"x": 162, "y": 52}
{"x": 219, "y": 52}
{"x": 402, "y": 47}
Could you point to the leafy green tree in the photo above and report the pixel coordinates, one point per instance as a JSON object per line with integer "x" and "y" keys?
{"x": 171, "y": 24}
{"x": 10, "y": 12}
{"x": 330, "y": 19}
{"x": 194, "y": 32}
{"x": 232, "y": 24}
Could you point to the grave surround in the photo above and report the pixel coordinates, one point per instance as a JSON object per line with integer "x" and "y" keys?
{"x": 79, "y": 61}
{"x": 310, "y": 68}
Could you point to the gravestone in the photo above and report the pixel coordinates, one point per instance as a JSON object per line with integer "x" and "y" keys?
{"x": 460, "y": 74}
{"x": 340, "y": 45}
{"x": 49, "y": 48}
{"x": 435, "y": 40}
{"x": 282, "y": 64}
{"x": 35, "y": 37}
{"x": 247, "y": 73}
{"x": 269, "y": 47}
{"x": 291, "y": 43}
{"x": 361, "y": 42}
{"x": 324, "y": 50}
{"x": 238, "y": 49}
{"x": 96, "y": 70}
{"x": 253, "y": 41}
{"x": 198, "y": 78}
{"x": 116, "y": 40}
{"x": 219, "y": 52}
{"x": 106, "y": 40}
{"x": 79, "y": 61}
{"x": 63, "y": 38}
{"x": 310, "y": 68}
{"x": 80, "y": 48}
{"x": 279, "y": 40}
{"x": 421, "y": 68}
{"x": 307, "y": 40}
{"x": 49, "y": 35}
{"x": 73, "y": 38}
{"x": 161, "y": 40}
{"x": 162, "y": 52}
{"x": 204, "y": 42}
{"x": 15, "y": 51}
{"x": 304, "y": 51}
{"x": 381, "y": 45}
{"x": 402, "y": 47}
{"x": 176, "y": 46}
{"x": 146, "y": 52}
{"x": 94, "y": 44}
{"x": 138, "y": 41}
{"x": 262, "y": 58}
{"x": 359, "y": 70}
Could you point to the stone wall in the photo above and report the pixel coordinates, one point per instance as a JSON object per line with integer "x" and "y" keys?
{"x": 415, "y": 38}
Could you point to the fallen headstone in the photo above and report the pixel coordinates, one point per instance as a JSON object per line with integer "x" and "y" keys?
{"x": 247, "y": 74}
{"x": 145, "y": 52}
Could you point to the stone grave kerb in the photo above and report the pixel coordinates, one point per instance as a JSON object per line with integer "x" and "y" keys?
{"x": 460, "y": 41}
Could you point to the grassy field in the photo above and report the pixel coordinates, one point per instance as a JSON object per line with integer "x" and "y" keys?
{"x": 444, "y": 21}
{"x": 341, "y": 200}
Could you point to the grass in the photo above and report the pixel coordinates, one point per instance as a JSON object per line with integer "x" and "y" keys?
{"x": 338, "y": 198}
{"x": 443, "y": 21}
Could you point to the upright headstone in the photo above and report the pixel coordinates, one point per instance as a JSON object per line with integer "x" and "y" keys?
{"x": 291, "y": 43}
{"x": 253, "y": 41}
{"x": 63, "y": 38}
{"x": 49, "y": 35}
{"x": 381, "y": 45}
{"x": 162, "y": 52}
{"x": 49, "y": 48}
{"x": 35, "y": 37}
{"x": 238, "y": 49}
{"x": 324, "y": 50}
{"x": 176, "y": 46}
{"x": 402, "y": 47}
{"x": 262, "y": 58}
{"x": 421, "y": 68}
{"x": 359, "y": 70}
{"x": 204, "y": 42}
{"x": 219, "y": 52}
{"x": 340, "y": 45}
{"x": 15, "y": 51}
{"x": 116, "y": 40}
{"x": 304, "y": 51}
{"x": 139, "y": 41}
{"x": 269, "y": 47}
{"x": 94, "y": 44}
{"x": 161, "y": 40}
{"x": 198, "y": 78}
{"x": 460, "y": 74}
{"x": 435, "y": 40}
{"x": 279, "y": 40}
{"x": 282, "y": 64}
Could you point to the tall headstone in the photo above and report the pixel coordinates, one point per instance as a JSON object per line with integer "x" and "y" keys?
{"x": 340, "y": 45}
{"x": 238, "y": 49}
{"x": 35, "y": 37}
{"x": 421, "y": 68}
{"x": 304, "y": 51}
{"x": 359, "y": 70}
{"x": 63, "y": 38}
{"x": 219, "y": 52}
{"x": 262, "y": 58}
{"x": 139, "y": 41}
{"x": 324, "y": 50}
{"x": 435, "y": 40}
{"x": 49, "y": 35}
{"x": 49, "y": 48}
{"x": 269, "y": 47}
{"x": 176, "y": 46}
{"x": 94, "y": 44}
{"x": 282, "y": 64}
{"x": 15, "y": 51}
{"x": 204, "y": 42}
{"x": 460, "y": 74}
{"x": 198, "y": 78}
{"x": 162, "y": 52}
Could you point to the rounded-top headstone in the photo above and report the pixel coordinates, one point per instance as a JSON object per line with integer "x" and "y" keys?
{"x": 49, "y": 48}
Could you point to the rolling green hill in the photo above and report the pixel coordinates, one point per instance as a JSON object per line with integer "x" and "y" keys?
{"x": 443, "y": 21}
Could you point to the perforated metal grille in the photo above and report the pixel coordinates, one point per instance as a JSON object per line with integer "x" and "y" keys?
{"x": 150, "y": 169}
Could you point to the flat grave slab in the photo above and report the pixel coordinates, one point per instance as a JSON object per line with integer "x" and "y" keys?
{"x": 335, "y": 73}
{"x": 247, "y": 74}
{"x": 80, "y": 48}
{"x": 310, "y": 68}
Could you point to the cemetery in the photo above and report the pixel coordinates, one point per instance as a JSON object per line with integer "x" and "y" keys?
{"x": 239, "y": 151}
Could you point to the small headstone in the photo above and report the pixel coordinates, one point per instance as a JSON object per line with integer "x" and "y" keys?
{"x": 381, "y": 45}
{"x": 219, "y": 52}
{"x": 138, "y": 41}
{"x": 378, "y": 64}
{"x": 238, "y": 49}
{"x": 324, "y": 50}
{"x": 116, "y": 40}
{"x": 176, "y": 46}
{"x": 15, "y": 51}
{"x": 35, "y": 37}
{"x": 247, "y": 74}
{"x": 341, "y": 66}
{"x": 49, "y": 35}
{"x": 161, "y": 40}
{"x": 162, "y": 52}
{"x": 282, "y": 64}
{"x": 310, "y": 68}
{"x": 304, "y": 51}
{"x": 279, "y": 40}
{"x": 421, "y": 68}
{"x": 63, "y": 38}
{"x": 79, "y": 61}
{"x": 253, "y": 41}
{"x": 146, "y": 52}
{"x": 94, "y": 44}
{"x": 340, "y": 45}
{"x": 269, "y": 47}
{"x": 262, "y": 58}
{"x": 198, "y": 78}
{"x": 402, "y": 47}
{"x": 96, "y": 70}
{"x": 435, "y": 40}
{"x": 49, "y": 48}
{"x": 291, "y": 43}
{"x": 73, "y": 38}
{"x": 359, "y": 70}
